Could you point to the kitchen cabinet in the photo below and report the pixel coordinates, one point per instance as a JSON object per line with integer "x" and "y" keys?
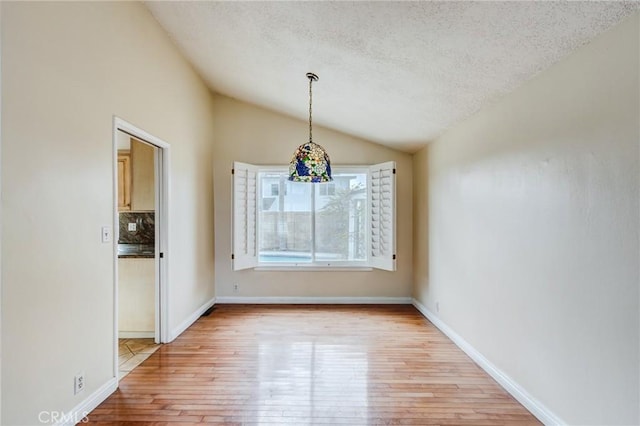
{"x": 143, "y": 195}
{"x": 124, "y": 180}
{"x": 136, "y": 297}
{"x": 136, "y": 177}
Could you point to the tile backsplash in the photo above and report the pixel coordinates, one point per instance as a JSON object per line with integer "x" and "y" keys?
{"x": 144, "y": 224}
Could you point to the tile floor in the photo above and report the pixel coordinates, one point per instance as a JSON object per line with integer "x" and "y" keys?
{"x": 131, "y": 353}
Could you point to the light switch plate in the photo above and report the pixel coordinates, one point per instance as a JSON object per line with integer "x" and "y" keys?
{"x": 131, "y": 226}
{"x": 106, "y": 234}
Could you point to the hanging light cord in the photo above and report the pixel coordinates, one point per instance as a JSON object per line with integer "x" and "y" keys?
{"x": 310, "y": 98}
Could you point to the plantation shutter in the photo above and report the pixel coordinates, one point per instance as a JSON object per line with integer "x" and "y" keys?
{"x": 382, "y": 216}
{"x": 245, "y": 182}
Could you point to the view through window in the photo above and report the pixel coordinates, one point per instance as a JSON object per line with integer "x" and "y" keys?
{"x": 312, "y": 223}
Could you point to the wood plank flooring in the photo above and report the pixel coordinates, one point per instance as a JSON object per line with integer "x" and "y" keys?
{"x": 303, "y": 365}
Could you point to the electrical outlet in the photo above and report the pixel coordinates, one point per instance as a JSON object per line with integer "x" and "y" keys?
{"x": 78, "y": 383}
{"x": 132, "y": 227}
{"x": 235, "y": 288}
{"x": 437, "y": 306}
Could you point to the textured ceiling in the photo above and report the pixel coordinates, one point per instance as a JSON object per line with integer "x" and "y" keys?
{"x": 397, "y": 73}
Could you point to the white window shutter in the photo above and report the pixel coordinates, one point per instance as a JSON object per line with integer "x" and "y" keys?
{"x": 382, "y": 216}
{"x": 245, "y": 195}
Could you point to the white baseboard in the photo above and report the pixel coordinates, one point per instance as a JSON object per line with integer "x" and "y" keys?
{"x": 191, "y": 319}
{"x": 76, "y": 415}
{"x": 317, "y": 300}
{"x": 530, "y": 403}
{"x": 136, "y": 334}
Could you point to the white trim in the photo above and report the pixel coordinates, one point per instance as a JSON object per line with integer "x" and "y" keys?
{"x": 316, "y": 300}
{"x": 164, "y": 245}
{"x": 244, "y": 216}
{"x": 157, "y": 264}
{"x": 136, "y": 334}
{"x": 162, "y": 207}
{"x": 0, "y": 216}
{"x": 89, "y": 404}
{"x": 163, "y": 186}
{"x": 115, "y": 234}
{"x": 163, "y": 213}
{"x": 382, "y": 207}
{"x": 139, "y": 133}
{"x": 314, "y": 268}
{"x": 536, "y": 408}
{"x": 191, "y": 319}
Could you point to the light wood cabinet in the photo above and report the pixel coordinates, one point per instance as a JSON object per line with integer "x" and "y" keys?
{"x": 136, "y": 176}
{"x": 143, "y": 196}
{"x": 124, "y": 180}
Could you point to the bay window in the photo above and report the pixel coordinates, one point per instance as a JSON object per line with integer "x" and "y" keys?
{"x": 349, "y": 222}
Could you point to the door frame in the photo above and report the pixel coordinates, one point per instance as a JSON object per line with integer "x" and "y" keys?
{"x": 162, "y": 186}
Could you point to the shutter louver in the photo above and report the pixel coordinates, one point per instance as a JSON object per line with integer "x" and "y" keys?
{"x": 245, "y": 183}
{"x": 382, "y": 200}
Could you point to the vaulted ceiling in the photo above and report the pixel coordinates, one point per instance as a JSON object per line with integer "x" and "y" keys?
{"x": 396, "y": 73}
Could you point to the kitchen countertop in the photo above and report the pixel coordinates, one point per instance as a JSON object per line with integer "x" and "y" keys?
{"x": 136, "y": 256}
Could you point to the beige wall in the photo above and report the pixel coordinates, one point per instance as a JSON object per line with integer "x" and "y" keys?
{"x": 532, "y": 210}
{"x": 253, "y": 135}
{"x": 63, "y": 80}
{"x": 420, "y": 225}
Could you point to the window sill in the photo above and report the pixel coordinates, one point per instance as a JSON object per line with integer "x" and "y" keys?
{"x": 313, "y": 268}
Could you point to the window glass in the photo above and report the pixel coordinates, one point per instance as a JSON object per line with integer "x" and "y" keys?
{"x": 306, "y": 223}
{"x": 285, "y": 220}
{"x": 341, "y": 219}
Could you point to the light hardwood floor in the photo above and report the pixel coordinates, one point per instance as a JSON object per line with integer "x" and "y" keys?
{"x": 302, "y": 365}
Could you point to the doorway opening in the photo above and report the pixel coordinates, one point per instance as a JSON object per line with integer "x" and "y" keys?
{"x": 141, "y": 245}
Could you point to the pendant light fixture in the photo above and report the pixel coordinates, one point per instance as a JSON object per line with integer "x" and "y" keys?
{"x": 310, "y": 162}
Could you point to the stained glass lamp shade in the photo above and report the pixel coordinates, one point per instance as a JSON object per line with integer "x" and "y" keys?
{"x": 310, "y": 162}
